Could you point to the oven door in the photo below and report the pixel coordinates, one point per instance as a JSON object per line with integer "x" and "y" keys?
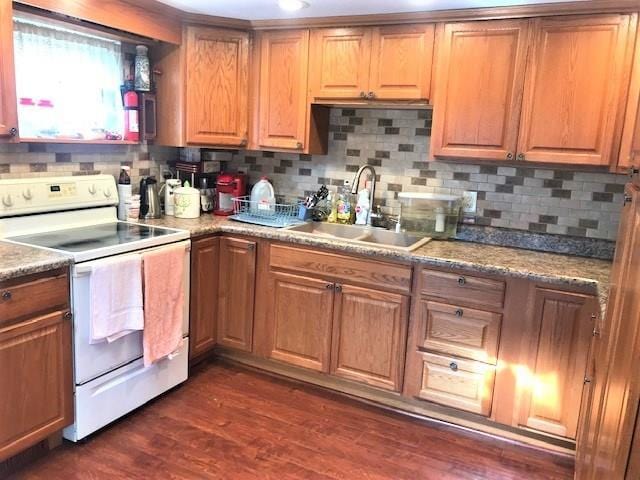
{"x": 94, "y": 360}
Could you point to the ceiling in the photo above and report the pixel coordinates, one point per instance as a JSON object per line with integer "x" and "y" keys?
{"x": 269, "y": 9}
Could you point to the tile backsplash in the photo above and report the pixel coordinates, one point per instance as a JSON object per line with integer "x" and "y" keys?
{"x": 396, "y": 144}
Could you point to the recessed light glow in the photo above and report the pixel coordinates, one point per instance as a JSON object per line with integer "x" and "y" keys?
{"x": 292, "y": 5}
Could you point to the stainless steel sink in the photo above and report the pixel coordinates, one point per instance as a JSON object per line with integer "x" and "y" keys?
{"x": 362, "y": 235}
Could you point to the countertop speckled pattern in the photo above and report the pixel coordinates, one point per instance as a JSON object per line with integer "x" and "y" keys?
{"x": 19, "y": 260}
{"x": 555, "y": 269}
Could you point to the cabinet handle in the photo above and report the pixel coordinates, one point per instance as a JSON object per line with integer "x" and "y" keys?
{"x": 13, "y": 131}
{"x": 587, "y": 380}
{"x": 68, "y": 316}
{"x": 459, "y": 312}
{"x": 509, "y": 155}
{"x": 596, "y": 332}
{"x": 251, "y": 246}
{"x": 338, "y": 287}
{"x": 330, "y": 286}
{"x": 363, "y": 95}
{"x": 520, "y": 157}
{"x": 453, "y": 366}
{"x": 243, "y": 143}
{"x": 6, "y": 295}
{"x": 633, "y": 171}
{"x": 299, "y": 145}
{"x": 462, "y": 281}
{"x": 627, "y": 199}
{"x": 371, "y": 96}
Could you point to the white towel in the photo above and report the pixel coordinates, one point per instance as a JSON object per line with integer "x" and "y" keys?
{"x": 116, "y": 298}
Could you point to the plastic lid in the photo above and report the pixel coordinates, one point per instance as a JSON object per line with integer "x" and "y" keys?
{"x": 428, "y": 196}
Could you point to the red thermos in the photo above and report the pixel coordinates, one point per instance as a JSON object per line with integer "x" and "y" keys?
{"x": 131, "y": 116}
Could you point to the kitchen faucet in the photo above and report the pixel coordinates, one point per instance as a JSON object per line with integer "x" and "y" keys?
{"x": 356, "y": 182}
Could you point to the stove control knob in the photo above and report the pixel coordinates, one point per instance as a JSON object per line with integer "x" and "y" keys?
{"x": 92, "y": 189}
{"x": 107, "y": 193}
{"x": 7, "y": 201}
{"x": 27, "y": 195}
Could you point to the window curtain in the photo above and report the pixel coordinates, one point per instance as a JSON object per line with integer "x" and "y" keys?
{"x": 77, "y": 73}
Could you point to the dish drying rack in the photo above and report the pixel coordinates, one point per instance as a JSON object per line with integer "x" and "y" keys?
{"x": 278, "y": 215}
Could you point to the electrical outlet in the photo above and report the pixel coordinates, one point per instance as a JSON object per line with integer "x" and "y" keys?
{"x": 469, "y": 202}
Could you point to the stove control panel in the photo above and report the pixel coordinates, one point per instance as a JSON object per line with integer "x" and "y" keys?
{"x": 52, "y": 194}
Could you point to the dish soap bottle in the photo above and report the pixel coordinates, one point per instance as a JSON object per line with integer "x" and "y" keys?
{"x": 343, "y": 204}
{"x": 362, "y": 207}
{"x": 333, "y": 208}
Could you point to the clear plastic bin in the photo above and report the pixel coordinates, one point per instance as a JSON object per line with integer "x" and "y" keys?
{"x": 430, "y": 214}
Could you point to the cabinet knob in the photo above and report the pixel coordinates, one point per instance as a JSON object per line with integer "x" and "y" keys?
{"x": 330, "y": 286}
{"x": 520, "y": 157}
{"x": 243, "y": 143}
{"x": 462, "y": 281}
{"x": 6, "y": 295}
{"x": 371, "y": 95}
{"x": 68, "y": 316}
{"x": 633, "y": 171}
{"x": 509, "y": 155}
{"x": 338, "y": 287}
{"x": 453, "y": 366}
{"x": 13, "y": 131}
{"x": 459, "y": 312}
{"x": 587, "y": 380}
{"x": 299, "y": 145}
{"x": 363, "y": 95}
{"x": 251, "y": 247}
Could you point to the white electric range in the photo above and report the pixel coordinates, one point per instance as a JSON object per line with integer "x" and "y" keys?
{"x": 76, "y": 216}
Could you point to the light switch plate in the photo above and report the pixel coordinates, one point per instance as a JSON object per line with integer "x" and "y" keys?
{"x": 469, "y": 202}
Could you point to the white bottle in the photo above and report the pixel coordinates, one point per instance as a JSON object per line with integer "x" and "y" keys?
{"x": 124, "y": 191}
{"x": 263, "y": 198}
{"x": 362, "y": 207}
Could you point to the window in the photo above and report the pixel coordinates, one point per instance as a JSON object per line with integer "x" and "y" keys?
{"x": 67, "y": 81}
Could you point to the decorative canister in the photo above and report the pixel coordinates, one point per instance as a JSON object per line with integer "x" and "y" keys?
{"x": 142, "y": 70}
{"x": 186, "y": 202}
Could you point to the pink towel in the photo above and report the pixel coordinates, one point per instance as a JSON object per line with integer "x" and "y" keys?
{"x": 163, "y": 302}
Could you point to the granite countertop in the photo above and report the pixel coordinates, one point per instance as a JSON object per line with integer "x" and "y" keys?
{"x": 19, "y": 260}
{"x": 551, "y": 268}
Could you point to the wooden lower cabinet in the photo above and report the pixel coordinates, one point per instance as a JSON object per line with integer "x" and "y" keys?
{"x": 236, "y": 284}
{"x": 302, "y": 313}
{"x": 369, "y": 333}
{"x": 205, "y": 260}
{"x": 35, "y": 366}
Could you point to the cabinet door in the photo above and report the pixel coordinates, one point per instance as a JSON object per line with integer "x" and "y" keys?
{"x": 478, "y": 89}
{"x": 572, "y": 96}
{"x": 558, "y": 362}
{"x": 630, "y": 148}
{"x": 205, "y": 258}
{"x": 369, "y": 336}
{"x": 236, "y": 286}
{"x": 401, "y": 57}
{"x": 8, "y": 108}
{"x": 339, "y": 66}
{"x": 302, "y": 314}
{"x": 217, "y": 86}
{"x": 283, "y": 89}
{"x": 36, "y": 379}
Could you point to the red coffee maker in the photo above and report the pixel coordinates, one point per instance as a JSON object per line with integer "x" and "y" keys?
{"x": 229, "y": 186}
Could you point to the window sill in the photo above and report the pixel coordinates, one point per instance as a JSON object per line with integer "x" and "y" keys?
{"x": 78, "y": 141}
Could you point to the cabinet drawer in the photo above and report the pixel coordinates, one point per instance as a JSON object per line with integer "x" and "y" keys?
{"x": 30, "y": 298}
{"x": 460, "y": 331}
{"x": 457, "y": 383}
{"x": 342, "y": 267}
{"x": 466, "y": 289}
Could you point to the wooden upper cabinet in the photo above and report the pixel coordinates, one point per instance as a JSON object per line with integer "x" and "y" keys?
{"x": 478, "y": 89}
{"x": 401, "y": 57}
{"x": 8, "y": 107}
{"x": 217, "y": 86}
{"x": 557, "y": 365}
{"x": 573, "y": 89}
{"x": 340, "y": 60}
{"x": 630, "y": 148}
{"x": 282, "y": 100}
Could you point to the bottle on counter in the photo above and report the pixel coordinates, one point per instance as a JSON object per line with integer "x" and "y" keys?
{"x": 333, "y": 208}
{"x": 362, "y": 207}
{"x": 344, "y": 210}
{"x": 124, "y": 191}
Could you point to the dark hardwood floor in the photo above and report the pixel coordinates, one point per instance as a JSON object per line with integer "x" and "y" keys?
{"x": 231, "y": 423}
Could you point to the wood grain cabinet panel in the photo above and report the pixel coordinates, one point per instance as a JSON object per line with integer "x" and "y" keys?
{"x": 463, "y": 289}
{"x": 558, "y": 364}
{"x": 282, "y": 103}
{"x": 401, "y": 58}
{"x": 369, "y": 336}
{"x": 217, "y": 86}
{"x": 460, "y": 331}
{"x": 236, "y": 286}
{"x": 36, "y": 380}
{"x": 479, "y": 80}
{"x": 8, "y": 107}
{"x": 205, "y": 263}
{"x": 29, "y": 298}
{"x": 339, "y": 66}
{"x": 573, "y": 89}
{"x": 302, "y": 315}
{"x": 457, "y": 383}
{"x": 630, "y": 148}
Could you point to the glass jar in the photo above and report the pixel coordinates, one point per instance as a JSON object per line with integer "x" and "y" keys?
{"x": 142, "y": 81}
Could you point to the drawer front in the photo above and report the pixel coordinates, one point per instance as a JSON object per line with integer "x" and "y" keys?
{"x": 31, "y": 298}
{"x": 460, "y": 331}
{"x": 457, "y": 383}
{"x": 341, "y": 267}
{"x": 465, "y": 289}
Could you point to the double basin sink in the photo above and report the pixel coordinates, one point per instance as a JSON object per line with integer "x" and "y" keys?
{"x": 362, "y": 235}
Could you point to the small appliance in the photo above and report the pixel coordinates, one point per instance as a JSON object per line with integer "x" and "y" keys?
{"x": 170, "y": 186}
{"x": 229, "y": 186}
{"x": 149, "y": 199}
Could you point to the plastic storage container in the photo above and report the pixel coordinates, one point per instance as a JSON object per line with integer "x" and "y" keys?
{"x": 430, "y": 214}
{"x": 263, "y": 198}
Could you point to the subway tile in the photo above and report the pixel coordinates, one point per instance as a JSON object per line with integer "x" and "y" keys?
{"x": 548, "y": 219}
{"x": 602, "y": 197}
